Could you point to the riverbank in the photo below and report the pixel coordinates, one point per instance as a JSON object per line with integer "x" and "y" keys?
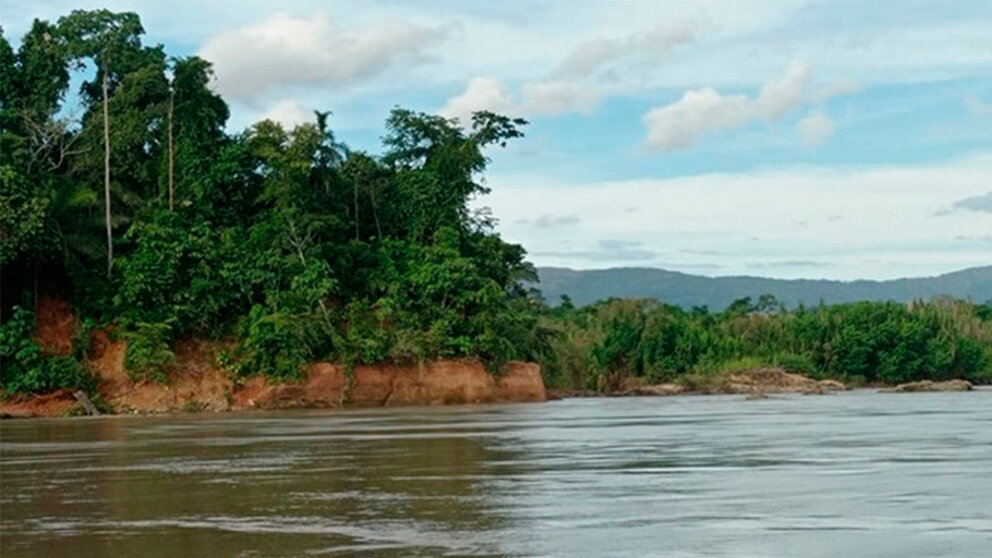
{"x": 199, "y": 386}
{"x": 196, "y": 383}
{"x": 756, "y": 383}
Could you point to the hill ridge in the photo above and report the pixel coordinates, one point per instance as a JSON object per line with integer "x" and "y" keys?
{"x": 688, "y": 290}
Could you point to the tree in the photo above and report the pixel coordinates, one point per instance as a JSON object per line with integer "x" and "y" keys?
{"x": 442, "y": 161}
{"x": 108, "y": 39}
{"x": 195, "y": 126}
{"x": 172, "y": 149}
{"x": 330, "y": 152}
{"x": 22, "y": 218}
{"x": 32, "y": 84}
{"x": 364, "y": 172}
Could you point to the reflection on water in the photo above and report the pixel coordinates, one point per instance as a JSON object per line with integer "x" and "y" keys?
{"x": 858, "y": 474}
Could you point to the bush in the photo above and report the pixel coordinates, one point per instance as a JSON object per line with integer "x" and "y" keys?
{"x": 149, "y": 355}
{"x": 274, "y": 343}
{"x": 24, "y": 366}
{"x": 863, "y": 342}
{"x": 793, "y": 362}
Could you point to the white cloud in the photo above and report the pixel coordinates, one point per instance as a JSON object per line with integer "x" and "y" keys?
{"x": 587, "y": 74}
{"x": 595, "y": 55}
{"x": 775, "y": 215}
{"x": 551, "y": 98}
{"x": 815, "y": 129}
{"x": 701, "y": 111}
{"x": 519, "y": 42}
{"x": 284, "y": 51}
{"x": 289, "y": 113}
{"x": 676, "y": 126}
{"x": 782, "y": 96}
{"x": 836, "y": 88}
{"x": 543, "y": 98}
{"x": 481, "y": 94}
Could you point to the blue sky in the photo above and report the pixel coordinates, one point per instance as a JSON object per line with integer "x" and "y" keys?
{"x": 783, "y": 138}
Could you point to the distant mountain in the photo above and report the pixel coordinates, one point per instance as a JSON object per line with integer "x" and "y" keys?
{"x": 586, "y": 287}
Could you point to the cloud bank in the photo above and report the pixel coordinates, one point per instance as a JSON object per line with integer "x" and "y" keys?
{"x": 698, "y": 112}
{"x": 588, "y": 73}
{"x": 778, "y": 220}
{"x": 284, "y": 52}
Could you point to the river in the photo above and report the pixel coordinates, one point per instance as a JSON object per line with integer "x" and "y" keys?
{"x": 854, "y": 474}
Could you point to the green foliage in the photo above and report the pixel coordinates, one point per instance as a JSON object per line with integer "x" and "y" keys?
{"x": 148, "y": 350}
{"x": 795, "y": 362}
{"x": 863, "y": 342}
{"x": 176, "y": 270}
{"x": 275, "y": 343}
{"x": 24, "y": 366}
{"x": 22, "y": 218}
{"x": 199, "y": 116}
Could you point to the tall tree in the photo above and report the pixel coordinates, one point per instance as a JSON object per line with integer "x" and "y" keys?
{"x": 40, "y": 200}
{"x": 172, "y": 148}
{"x": 32, "y": 84}
{"x": 106, "y": 38}
{"x": 329, "y": 156}
{"x": 442, "y": 162}
{"x": 195, "y": 126}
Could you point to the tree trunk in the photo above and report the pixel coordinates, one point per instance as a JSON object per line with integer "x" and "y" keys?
{"x": 172, "y": 95}
{"x": 35, "y": 287}
{"x": 355, "y": 190}
{"x": 375, "y": 213}
{"x": 106, "y": 171}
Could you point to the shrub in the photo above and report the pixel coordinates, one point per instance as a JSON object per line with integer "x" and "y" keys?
{"x": 793, "y": 362}
{"x": 274, "y": 343}
{"x": 24, "y": 366}
{"x": 148, "y": 351}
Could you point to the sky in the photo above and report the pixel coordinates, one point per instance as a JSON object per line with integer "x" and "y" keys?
{"x": 781, "y": 138}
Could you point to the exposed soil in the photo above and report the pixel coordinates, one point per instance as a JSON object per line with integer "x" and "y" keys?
{"x": 928, "y": 386}
{"x": 776, "y": 380}
{"x": 661, "y": 389}
{"x": 55, "y": 404}
{"x": 434, "y": 383}
{"x": 196, "y": 383}
{"x": 756, "y": 382}
{"x": 56, "y": 325}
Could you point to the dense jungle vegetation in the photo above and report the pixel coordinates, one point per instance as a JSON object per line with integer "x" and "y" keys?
{"x": 131, "y": 199}
{"x": 598, "y": 346}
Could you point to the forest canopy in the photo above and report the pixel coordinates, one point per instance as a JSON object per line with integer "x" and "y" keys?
{"x": 150, "y": 216}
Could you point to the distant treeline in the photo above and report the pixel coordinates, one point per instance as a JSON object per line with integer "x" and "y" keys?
{"x": 598, "y": 347}
{"x": 133, "y": 202}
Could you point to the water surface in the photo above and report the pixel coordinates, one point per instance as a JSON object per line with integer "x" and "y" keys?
{"x": 856, "y": 474}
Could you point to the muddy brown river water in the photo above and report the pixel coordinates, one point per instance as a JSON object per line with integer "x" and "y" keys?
{"x": 855, "y": 474}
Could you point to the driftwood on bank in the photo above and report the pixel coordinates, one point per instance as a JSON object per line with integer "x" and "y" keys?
{"x": 87, "y": 404}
